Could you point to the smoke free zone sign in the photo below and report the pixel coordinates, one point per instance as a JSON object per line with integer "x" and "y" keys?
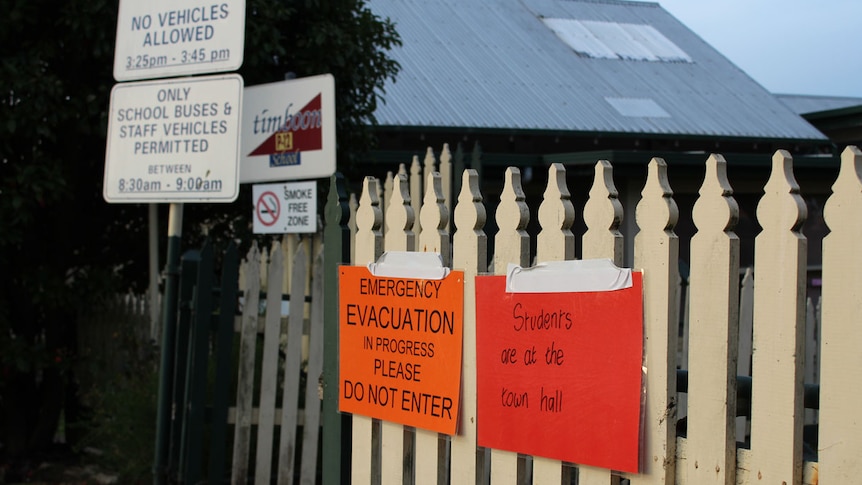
{"x": 400, "y": 344}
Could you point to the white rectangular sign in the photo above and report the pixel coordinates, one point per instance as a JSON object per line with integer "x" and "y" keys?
{"x": 174, "y": 140}
{"x": 285, "y": 208}
{"x": 288, "y": 130}
{"x": 165, "y": 38}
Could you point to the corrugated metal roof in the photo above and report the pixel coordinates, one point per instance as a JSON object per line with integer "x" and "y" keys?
{"x": 802, "y": 104}
{"x": 495, "y": 64}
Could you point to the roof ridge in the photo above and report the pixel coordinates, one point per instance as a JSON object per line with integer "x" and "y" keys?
{"x": 619, "y": 2}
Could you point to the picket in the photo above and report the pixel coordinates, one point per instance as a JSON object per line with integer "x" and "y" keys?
{"x": 603, "y": 215}
{"x": 365, "y": 467}
{"x": 779, "y": 329}
{"x": 313, "y": 392}
{"x": 432, "y": 238}
{"x": 269, "y": 372}
{"x": 395, "y": 439}
{"x": 554, "y": 242}
{"x": 714, "y": 332}
{"x": 245, "y": 379}
{"x": 292, "y": 364}
{"x": 657, "y": 253}
{"x": 840, "y": 434}
{"x": 511, "y": 245}
{"x": 470, "y": 253}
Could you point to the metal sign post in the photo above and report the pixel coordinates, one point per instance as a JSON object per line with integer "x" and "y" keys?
{"x": 174, "y": 140}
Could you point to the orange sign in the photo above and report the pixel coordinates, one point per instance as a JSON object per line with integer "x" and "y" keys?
{"x": 559, "y": 374}
{"x": 400, "y": 345}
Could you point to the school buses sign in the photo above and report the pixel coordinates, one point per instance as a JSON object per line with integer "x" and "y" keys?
{"x": 400, "y": 348}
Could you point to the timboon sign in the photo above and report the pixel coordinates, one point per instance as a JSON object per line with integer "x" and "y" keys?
{"x": 288, "y": 130}
{"x": 174, "y": 140}
{"x": 400, "y": 348}
{"x": 164, "y": 38}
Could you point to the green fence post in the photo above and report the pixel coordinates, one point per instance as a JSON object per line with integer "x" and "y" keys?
{"x": 166, "y": 367}
{"x": 223, "y": 363}
{"x": 336, "y": 247}
{"x": 188, "y": 281}
{"x": 196, "y": 371}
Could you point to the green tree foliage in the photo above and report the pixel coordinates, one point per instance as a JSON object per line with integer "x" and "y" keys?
{"x": 61, "y": 245}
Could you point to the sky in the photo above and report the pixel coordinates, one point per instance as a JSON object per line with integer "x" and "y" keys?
{"x": 788, "y": 46}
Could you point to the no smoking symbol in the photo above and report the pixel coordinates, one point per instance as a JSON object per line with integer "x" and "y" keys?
{"x": 268, "y": 208}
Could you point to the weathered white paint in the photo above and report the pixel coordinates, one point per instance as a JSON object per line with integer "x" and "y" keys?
{"x": 657, "y": 254}
{"x": 245, "y": 379}
{"x": 269, "y": 372}
{"x": 292, "y": 364}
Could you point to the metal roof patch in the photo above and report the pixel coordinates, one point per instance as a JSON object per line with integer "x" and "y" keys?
{"x": 638, "y": 107}
{"x": 613, "y": 40}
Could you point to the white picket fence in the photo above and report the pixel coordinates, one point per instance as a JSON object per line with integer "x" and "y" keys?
{"x": 278, "y": 343}
{"x": 389, "y": 453}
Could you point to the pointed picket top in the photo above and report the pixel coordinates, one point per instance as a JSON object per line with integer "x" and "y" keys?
{"x": 251, "y": 266}
{"x": 387, "y": 194}
{"x": 840, "y": 431}
{"x": 445, "y": 156}
{"x": 399, "y": 236}
{"x": 369, "y": 239}
{"x": 846, "y": 191}
{"x": 781, "y": 208}
{"x": 657, "y": 210}
{"x": 351, "y": 224}
{"x": 457, "y": 169}
{"x": 414, "y": 189}
{"x": 337, "y": 210}
{"x": 716, "y": 202}
{"x": 434, "y": 219}
{"x": 429, "y": 164}
{"x": 446, "y": 177}
{"x": 275, "y": 265}
{"x": 512, "y": 243}
{"x": 400, "y": 218}
{"x": 603, "y": 215}
{"x": 556, "y": 216}
{"x": 471, "y": 246}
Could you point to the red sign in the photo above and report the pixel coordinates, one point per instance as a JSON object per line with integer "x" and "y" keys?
{"x": 400, "y": 342}
{"x": 268, "y": 208}
{"x": 560, "y": 374}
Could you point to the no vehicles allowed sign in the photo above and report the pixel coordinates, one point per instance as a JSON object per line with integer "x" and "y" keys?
{"x": 285, "y": 208}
